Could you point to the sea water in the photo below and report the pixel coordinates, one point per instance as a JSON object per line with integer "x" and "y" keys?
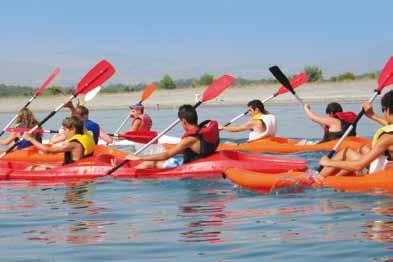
{"x": 194, "y": 220}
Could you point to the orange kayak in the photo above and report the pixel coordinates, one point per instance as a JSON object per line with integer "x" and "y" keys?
{"x": 33, "y": 155}
{"x": 288, "y": 146}
{"x": 265, "y": 182}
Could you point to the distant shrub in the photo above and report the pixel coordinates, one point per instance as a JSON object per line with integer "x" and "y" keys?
{"x": 206, "y": 79}
{"x": 346, "y": 76}
{"x": 314, "y": 73}
{"x": 167, "y": 83}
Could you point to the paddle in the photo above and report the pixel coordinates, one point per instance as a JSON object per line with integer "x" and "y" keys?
{"x": 385, "y": 79}
{"x": 149, "y": 90}
{"x": 91, "y": 94}
{"x": 212, "y": 91}
{"x": 95, "y": 77}
{"x": 36, "y": 93}
{"x": 296, "y": 81}
{"x": 279, "y": 75}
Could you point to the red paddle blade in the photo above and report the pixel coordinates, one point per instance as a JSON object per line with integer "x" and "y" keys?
{"x": 217, "y": 87}
{"x": 22, "y": 130}
{"x": 148, "y": 92}
{"x": 95, "y": 77}
{"x": 295, "y": 81}
{"x": 47, "y": 82}
{"x": 142, "y": 137}
{"x": 386, "y": 76}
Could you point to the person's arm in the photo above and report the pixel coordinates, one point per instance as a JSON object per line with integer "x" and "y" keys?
{"x": 58, "y": 138}
{"x": 247, "y": 126}
{"x": 68, "y": 104}
{"x": 66, "y": 147}
{"x": 357, "y": 165}
{"x": 179, "y": 148}
{"x": 135, "y": 125}
{"x": 369, "y": 112}
{"x": 11, "y": 138}
{"x": 104, "y": 136}
{"x": 316, "y": 118}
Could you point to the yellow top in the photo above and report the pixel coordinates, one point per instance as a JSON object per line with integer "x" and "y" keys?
{"x": 86, "y": 140}
{"x": 380, "y": 132}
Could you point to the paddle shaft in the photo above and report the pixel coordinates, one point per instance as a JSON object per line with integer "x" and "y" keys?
{"x": 122, "y": 124}
{"x": 37, "y": 126}
{"x": 143, "y": 148}
{"x": 349, "y": 129}
{"x": 246, "y": 113}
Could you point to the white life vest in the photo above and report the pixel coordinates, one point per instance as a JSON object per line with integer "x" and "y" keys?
{"x": 270, "y": 123}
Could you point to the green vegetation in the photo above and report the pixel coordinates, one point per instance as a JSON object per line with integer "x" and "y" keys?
{"x": 314, "y": 73}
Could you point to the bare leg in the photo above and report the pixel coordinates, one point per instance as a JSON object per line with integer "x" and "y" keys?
{"x": 230, "y": 143}
{"x": 150, "y": 164}
{"x": 346, "y": 154}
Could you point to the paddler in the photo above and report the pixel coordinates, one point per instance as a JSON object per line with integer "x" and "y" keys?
{"x": 198, "y": 141}
{"x": 336, "y": 122}
{"x": 79, "y": 143}
{"x": 140, "y": 120}
{"x": 378, "y": 157}
{"x": 82, "y": 112}
{"x": 25, "y": 120}
{"x": 262, "y": 124}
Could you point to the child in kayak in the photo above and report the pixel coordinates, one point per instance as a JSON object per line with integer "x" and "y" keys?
{"x": 378, "y": 157}
{"x": 262, "y": 124}
{"x": 141, "y": 121}
{"x": 82, "y": 113}
{"x": 199, "y": 141}
{"x": 79, "y": 144}
{"x": 24, "y": 119}
{"x": 335, "y": 123}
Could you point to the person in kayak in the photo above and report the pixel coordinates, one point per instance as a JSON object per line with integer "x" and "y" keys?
{"x": 262, "y": 124}
{"x": 82, "y": 113}
{"x": 336, "y": 122}
{"x": 141, "y": 121}
{"x": 24, "y": 119}
{"x": 198, "y": 141}
{"x": 78, "y": 144}
{"x": 378, "y": 157}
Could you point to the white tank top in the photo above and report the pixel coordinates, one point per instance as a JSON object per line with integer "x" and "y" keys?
{"x": 270, "y": 124}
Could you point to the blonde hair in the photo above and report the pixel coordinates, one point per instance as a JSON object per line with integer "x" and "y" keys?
{"x": 26, "y": 119}
{"x": 74, "y": 122}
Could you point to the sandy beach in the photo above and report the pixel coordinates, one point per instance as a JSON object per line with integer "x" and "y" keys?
{"x": 344, "y": 92}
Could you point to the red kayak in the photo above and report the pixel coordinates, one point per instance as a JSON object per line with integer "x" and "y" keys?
{"x": 97, "y": 166}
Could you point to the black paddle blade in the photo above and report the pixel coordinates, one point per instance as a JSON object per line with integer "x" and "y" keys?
{"x": 279, "y": 75}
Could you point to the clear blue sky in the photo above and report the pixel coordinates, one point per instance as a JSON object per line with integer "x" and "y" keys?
{"x": 147, "y": 39}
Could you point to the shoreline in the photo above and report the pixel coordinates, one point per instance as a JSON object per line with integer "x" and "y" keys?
{"x": 313, "y": 93}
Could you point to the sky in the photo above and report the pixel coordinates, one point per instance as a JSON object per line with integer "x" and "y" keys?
{"x": 147, "y": 39}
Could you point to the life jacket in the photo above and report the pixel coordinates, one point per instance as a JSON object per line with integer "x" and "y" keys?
{"x": 146, "y": 122}
{"x": 381, "y": 162}
{"x": 209, "y": 137}
{"x": 24, "y": 143}
{"x": 87, "y": 142}
{"x": 270, "y": 123}
{"x": 94, "y": 128}
{"x": 346, "y": 119}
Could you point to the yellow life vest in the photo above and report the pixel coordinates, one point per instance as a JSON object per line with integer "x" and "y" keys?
{"x": 87, "y": 142}
{"x": 380, "y": 132}
{"x": 257, "y": 116}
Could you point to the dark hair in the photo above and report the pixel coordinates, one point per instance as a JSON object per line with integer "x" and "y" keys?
{"x": 333, "y": 108}
{"x": 387, "y": 101}
{"x": 74, "y": 122}
{"x": 256, "y": 103}
{"x": 188, "y": 113}
{"x": 82, "y": 111}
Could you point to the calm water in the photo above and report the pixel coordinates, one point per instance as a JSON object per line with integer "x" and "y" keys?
{"x": 194, "y": 220}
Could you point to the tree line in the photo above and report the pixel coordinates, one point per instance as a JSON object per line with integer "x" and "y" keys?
{"x": 315, "y": 75}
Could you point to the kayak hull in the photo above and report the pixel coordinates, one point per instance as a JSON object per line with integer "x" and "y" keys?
{"x": 97, "y": 166}
{"x": 266, "y": 182}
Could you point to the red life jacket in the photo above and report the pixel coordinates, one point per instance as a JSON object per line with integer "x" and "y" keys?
{"x": 146, "y": 122}
{"x": 346, "y": 119}
{"x": 209, "y": 136}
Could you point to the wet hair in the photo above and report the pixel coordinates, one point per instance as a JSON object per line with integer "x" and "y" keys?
{"x": 256, "y": 103}
{"x": 26, "y": 118}
{"x": 188, "y": 113}
{"x": 82, "y": 111}
{"x": 333, "y": 108}
{"x": 387, "y": 101}
{"x": 74, "y": 122}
